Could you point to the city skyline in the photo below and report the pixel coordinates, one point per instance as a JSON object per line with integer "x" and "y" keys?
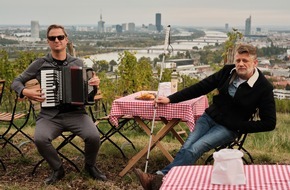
{"x": 181, "y": 13}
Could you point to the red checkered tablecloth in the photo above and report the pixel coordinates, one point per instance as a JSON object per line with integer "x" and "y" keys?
{"x": 187, "y": 111}
{"x": 258, "y": 177}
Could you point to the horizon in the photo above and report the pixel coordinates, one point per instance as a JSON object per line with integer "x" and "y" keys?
{"x": 267, "y": 27}
{"x": 184, "y": 13}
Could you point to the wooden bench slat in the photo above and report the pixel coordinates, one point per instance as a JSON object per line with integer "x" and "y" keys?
{"x": 5, "y": 116}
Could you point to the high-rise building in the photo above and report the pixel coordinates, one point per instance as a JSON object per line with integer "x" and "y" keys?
{"x": 118, "y": 28}
{"x": 248, "y": 26}
{"x": 34, "y": 29}
{"x": 124, "y": 27}
{"x": 158, "y": 22}
{"x": 227, "y": 27}
{"x": 131, "y": 27}
{"x": 152, "y": 27}
{"x": 128, "y": 27}
{"x": 101, "y": 25}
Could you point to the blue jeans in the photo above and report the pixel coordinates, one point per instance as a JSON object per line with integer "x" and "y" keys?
{"x": 206, "y": 135}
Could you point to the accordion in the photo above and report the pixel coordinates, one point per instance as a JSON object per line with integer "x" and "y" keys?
{"x": 67, "y": 85}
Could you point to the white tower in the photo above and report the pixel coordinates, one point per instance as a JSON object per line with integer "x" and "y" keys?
{"x": 34, "y": 29}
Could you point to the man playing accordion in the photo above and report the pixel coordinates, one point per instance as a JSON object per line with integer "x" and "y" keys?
{"x": 52, "y": 121}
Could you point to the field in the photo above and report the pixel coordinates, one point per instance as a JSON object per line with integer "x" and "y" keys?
{"x": 266, "y": 148}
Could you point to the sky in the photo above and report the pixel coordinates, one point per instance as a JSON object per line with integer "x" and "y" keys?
{"x": 173, "y": 12}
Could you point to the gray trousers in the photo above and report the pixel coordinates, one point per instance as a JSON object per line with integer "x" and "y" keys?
{"x": 78, "y": 123}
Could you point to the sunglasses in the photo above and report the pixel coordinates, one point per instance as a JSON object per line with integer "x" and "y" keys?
{"x": 52, "y": 38}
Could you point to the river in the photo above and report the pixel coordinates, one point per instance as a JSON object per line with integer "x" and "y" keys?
{"x": 210, "y": 38}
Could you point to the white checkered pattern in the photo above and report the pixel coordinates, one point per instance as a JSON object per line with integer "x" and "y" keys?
{"x": 187, "y": 111}
{"x": 258, "y": 177}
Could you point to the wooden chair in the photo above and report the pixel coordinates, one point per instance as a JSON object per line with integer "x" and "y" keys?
{"x": 28, "y": 106}
{"x": 20, "y": 112}
{"x": 16, "y": 119}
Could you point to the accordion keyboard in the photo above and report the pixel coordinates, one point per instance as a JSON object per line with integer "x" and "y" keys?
{"x": 50, "y": 87}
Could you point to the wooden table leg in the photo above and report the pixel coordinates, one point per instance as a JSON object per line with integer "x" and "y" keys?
{"x": 158, "y": 143}
{"x": 155, "y": 142}
{"x": 175, "y": 134}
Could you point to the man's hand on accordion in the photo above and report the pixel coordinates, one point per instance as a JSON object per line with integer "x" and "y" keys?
{"x": 33, "y": 94}
{"x": 94, "y": 81}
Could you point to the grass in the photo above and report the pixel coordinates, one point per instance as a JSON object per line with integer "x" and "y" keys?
{"x": 266, "y": 148}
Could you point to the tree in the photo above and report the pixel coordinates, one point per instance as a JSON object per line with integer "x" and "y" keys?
{"x": 128, "y": 72}
{"x": 7, "y": 74}
{"x": 108, "y": 87}
{"x": 145, "y": 77}
{"x": 9, "y": 69}
{"x": 187, "y": 81}
{"x": 229, "y": 46}
{"x": 134, "y": 75}
{"x": 100, "y": 66}
{"x": 166, "y": 75}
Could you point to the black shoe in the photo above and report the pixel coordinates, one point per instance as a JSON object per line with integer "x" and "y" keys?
{"x": 95, "y": 173}
{"x": 55, "y": 176}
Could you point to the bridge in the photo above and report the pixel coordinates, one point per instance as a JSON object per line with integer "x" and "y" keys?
{"x": 149, "y": 49}
{"x": 204, "y": 41}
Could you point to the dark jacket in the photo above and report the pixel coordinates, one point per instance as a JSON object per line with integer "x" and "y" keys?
{"x": 236, "y": 112}
{"x": 33, "y": 72}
